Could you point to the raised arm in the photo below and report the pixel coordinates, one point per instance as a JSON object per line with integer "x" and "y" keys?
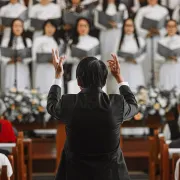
{"x": 129, "y": 102}
{"x": 54, "y": 102}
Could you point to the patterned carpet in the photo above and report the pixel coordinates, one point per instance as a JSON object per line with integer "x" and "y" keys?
{"x": 134, "y": 176}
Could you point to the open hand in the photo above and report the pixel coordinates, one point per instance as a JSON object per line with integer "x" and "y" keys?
{"x": 115, "y": 68}
{"x": 58, "y": 64}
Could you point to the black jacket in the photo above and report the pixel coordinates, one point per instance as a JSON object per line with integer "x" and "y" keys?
{"x": 92, "y": 120}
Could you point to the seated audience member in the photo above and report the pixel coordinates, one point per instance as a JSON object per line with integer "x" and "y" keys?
{"x": 5, "y": 162}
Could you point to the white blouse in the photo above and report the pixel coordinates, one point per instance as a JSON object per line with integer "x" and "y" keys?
{"x": 45, "y": 12}
{"x": 151, "y": 12}
{"x": 111, "y": 11}
{"x": 19, "y": 45}
{"x": 171, "y": 42}
{"x": 129, "y": 45}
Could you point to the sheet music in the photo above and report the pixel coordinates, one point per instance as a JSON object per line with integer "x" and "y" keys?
{"x": 44, "y": 57}
{"x": 79, "y": 53}
{"x": 152, "y": 23}
{"x": 39, "y": 23}
{"x": 104, "y": 19}
{"x": 22, "y": 53}
{"x": 71, "y": 17}
{"x": 127, "y": 55}
{"x": 166, "y": 52}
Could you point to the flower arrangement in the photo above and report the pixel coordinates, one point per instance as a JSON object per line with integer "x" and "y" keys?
{"x": 153, "y": 101}
{"x": 26, "y": 106}
{"x": 30, "y": 106}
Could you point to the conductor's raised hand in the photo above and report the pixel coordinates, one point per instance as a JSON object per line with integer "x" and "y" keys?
{"x": 58, "y": 64}
{"x": 114, "y": 67}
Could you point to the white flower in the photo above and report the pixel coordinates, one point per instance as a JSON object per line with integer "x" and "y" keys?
{"x": 47, "y": 117}
{"x": 152, "y": 111}
{"x": 173, "y": 101}
{"x": 162, "y": 101}
{"x": 25, "y": 110}
{"x": 152, "y": 101}
{"x": 19, "y": 98}
{"x": 43, "y": 103}
{"x": 162, "y": 112}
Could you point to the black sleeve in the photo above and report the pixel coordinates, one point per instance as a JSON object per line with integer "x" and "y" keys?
{"x": 129, "y": 103}
{"x": 54, "y": 102}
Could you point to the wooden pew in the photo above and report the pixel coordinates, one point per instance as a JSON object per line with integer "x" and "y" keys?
{"x": 3, "y": 175}
{"x": 154, "y": 151}
{"x": 175, "y": 158}
{"x": 167, "y": 172}
{"x": 11, "y": 160}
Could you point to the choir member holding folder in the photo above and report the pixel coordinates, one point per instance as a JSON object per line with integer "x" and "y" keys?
{"x": 82, "y": 45}
{"x": 14, "y": 9}
{"x": 70, "y": 15}
{"x": 150, "y": 23}
{"x": 169, "y": 48}
{"x": 18, "y": 43}
{"x": 41, "y": 12}
{"x": 42, "y": 50}
{"x": 131, "y": 54}
{"x": 108, "y": 18}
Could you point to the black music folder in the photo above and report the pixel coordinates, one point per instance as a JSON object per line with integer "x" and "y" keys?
{"x": 153, "y": 24}
{"x": 71, "y": 17}
{"x": 79, "y": 53}
{"x": 22, "y": 53}
{"x": 44, "y": 57}
{"x": 167, "y": 52}
{"x": 7, "y": 21}
{"x": 127, "y": 55}
{"x": 104, "y": 19}
{"x": 38, "y": 24}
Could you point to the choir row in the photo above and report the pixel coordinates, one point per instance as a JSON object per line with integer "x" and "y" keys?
{"x": 132, "y": 36}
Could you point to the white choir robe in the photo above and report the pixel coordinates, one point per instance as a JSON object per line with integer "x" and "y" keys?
{"x": 176, "y": 16}
{"x": 12, "y": 11}
{"x": 109, "y": 38}
{"x": 171, "y": 4}
{"x": 44, "y": 73}
{"x": 86, "y": 42}
{"x": 133, "y": 73}
{"x": 170, "y": 71}
{"x": 152, "y": 12}
{"x": 44, "y": 12}
{"x": 23, "y": 74}
{"x": 62, "y": 3}
{"x": 21, "y": 1}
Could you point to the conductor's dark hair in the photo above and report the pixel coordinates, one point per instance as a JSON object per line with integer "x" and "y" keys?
{"x": 55, "y": 35}
{"x": 75, "y": 36}
{"x": 105, "y": 4}
{"x": 10, "y": 44}
{"x": 123, "y": 33}
{"x": 91, "y": 72}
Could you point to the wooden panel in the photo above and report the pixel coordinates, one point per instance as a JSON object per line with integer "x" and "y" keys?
{"x": 43, "y": 148}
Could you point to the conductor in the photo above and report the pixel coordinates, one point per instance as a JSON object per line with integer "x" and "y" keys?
{"x": 92, "y": 120}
